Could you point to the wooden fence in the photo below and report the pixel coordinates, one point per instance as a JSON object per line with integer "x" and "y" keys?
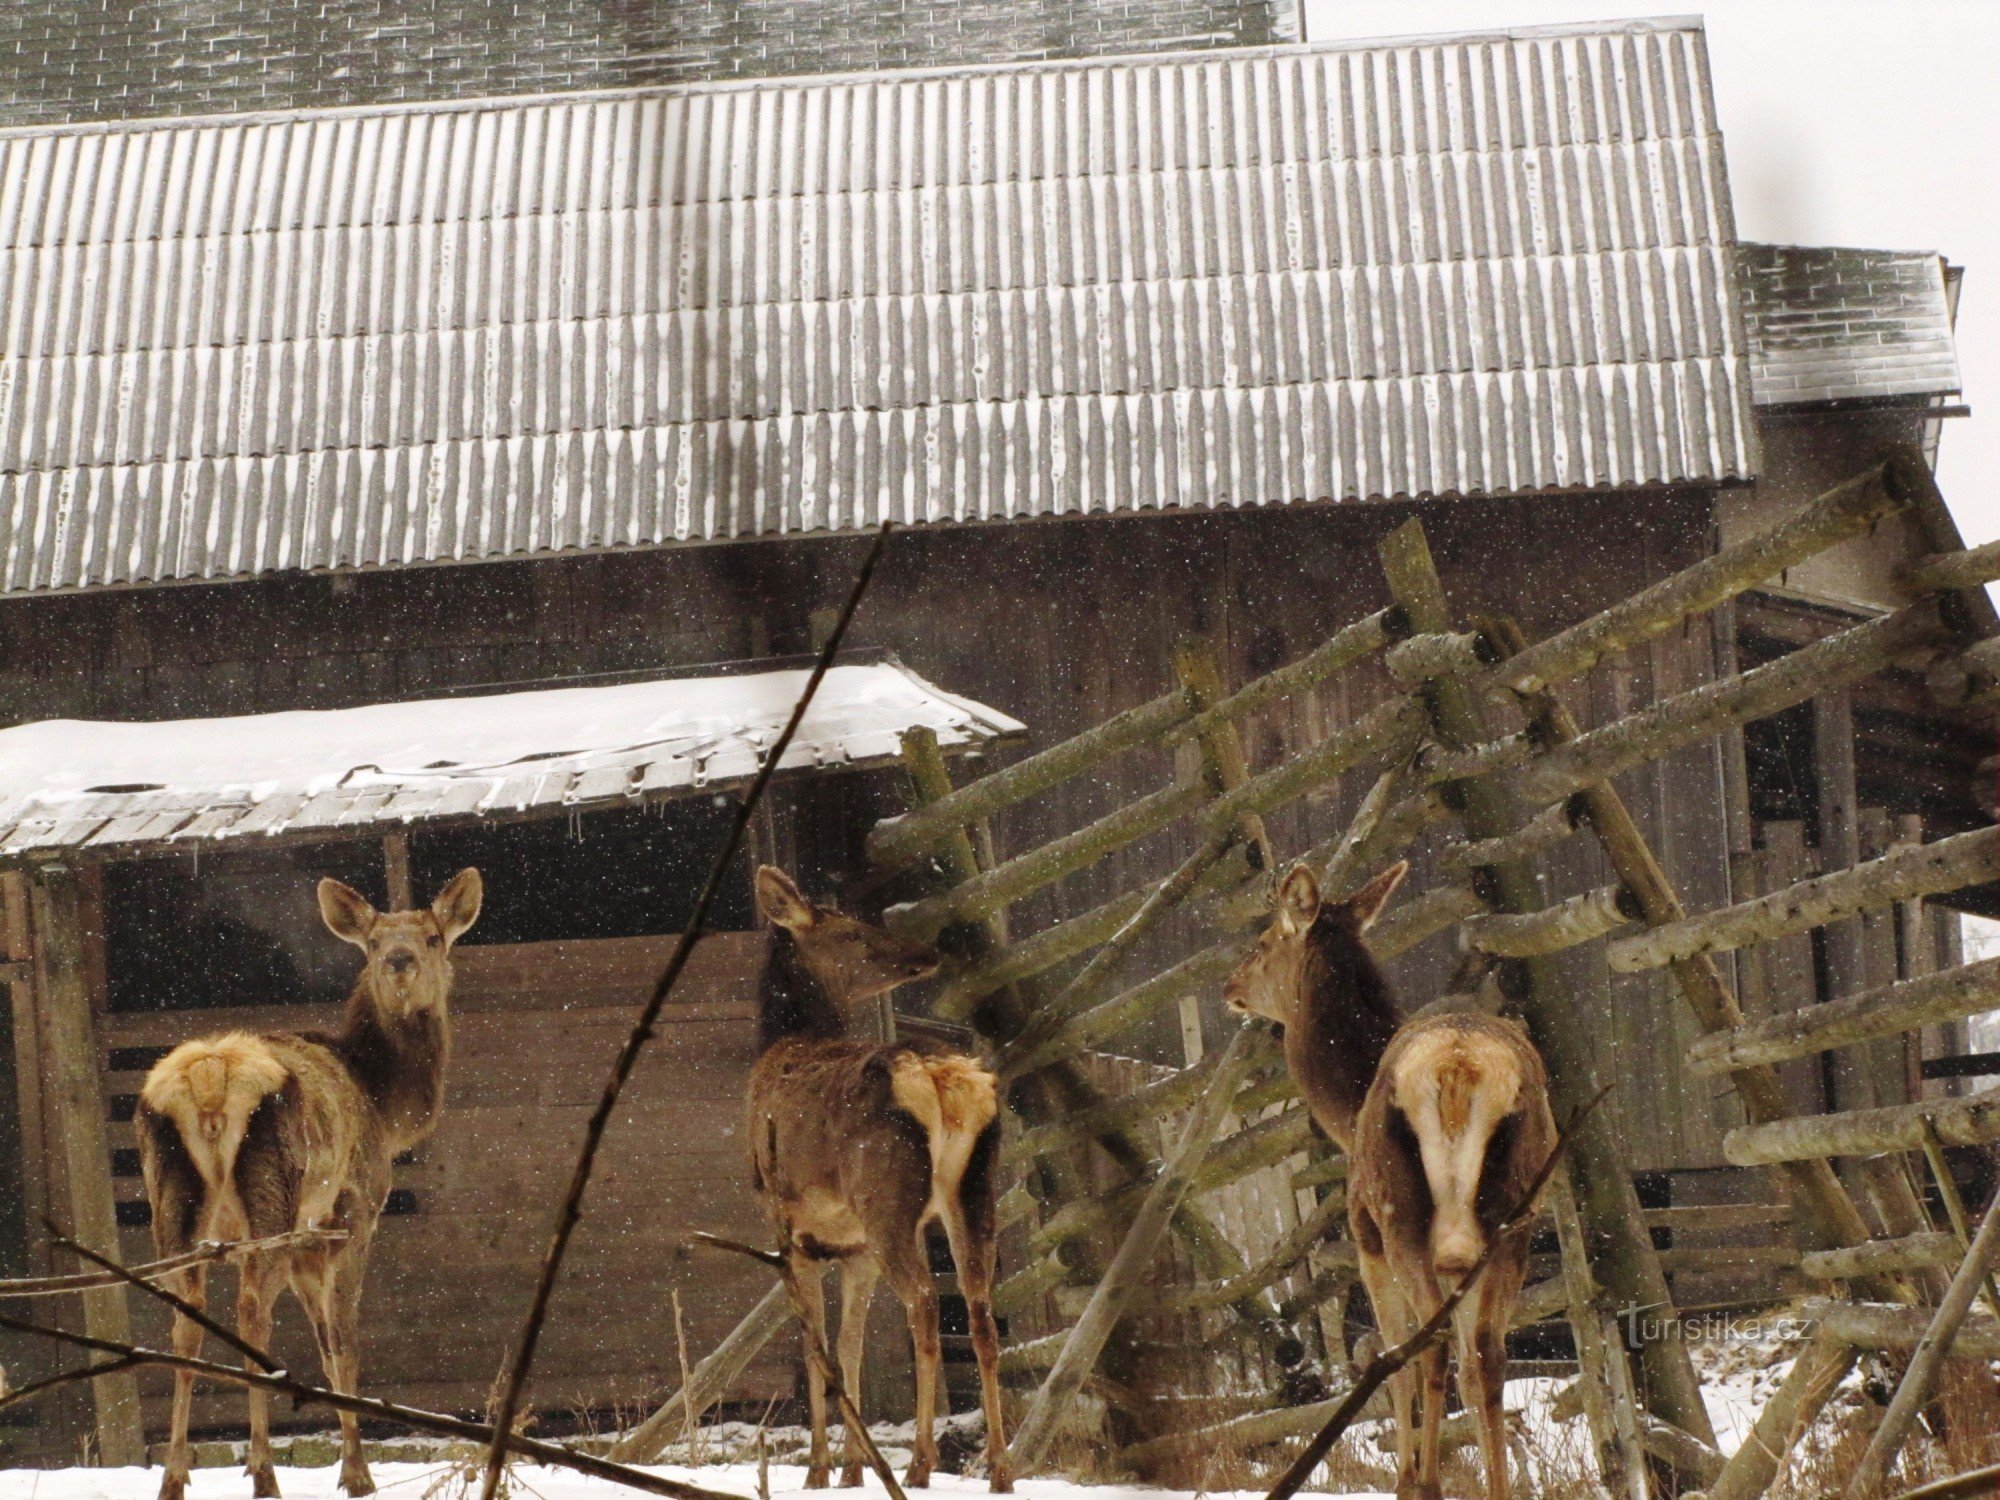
{"x": 1130, "y": 1192}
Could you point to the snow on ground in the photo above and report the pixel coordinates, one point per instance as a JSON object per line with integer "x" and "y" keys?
{"x": 401, "y": 1481}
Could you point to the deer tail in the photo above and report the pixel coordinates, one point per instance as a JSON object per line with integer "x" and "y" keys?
{"x": 209, "y": 1089}
{"x": 1455, "y": 1087}
{"x": 955, "y": 1100}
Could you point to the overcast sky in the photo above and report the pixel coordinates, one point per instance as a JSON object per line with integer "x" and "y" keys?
{"x": 1847, "y": 122}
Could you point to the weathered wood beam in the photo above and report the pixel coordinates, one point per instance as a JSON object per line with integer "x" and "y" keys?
{"x": 1387, "y": 730}
{"x": 1554, "y": 929}
{"x": 1612, "y": 1415}
{"x": 1142, "y": 1105}
{"x": 1950, "y": 864}
{"x": 1948, "y": 995}
{"x": 1134, "y": 1259}
{"x": 896, "y": 842}
{"x": 1943, "y": 572}
{"x": 59, "y": 915}
{"x": 1846, "y": 510}
{"x": 1815, "y": 1375}
{"x": 1875, "y": 1325}
{"x": 1263, "y": 1428}
{"x": 707, "y": 1383}
{"x": 1623, "y": 1252}
{"x": 1702, "y": 712}
{"x": 1299, "y": 1241}
{"x": 1927, "y": 1360}
{"x": 1341, "y": 650}
{"x": 1544, "y": 831}
{"x": 1971, "y": 1121}
{"x": 1444, "y": 653}
{"x": 993, "y": 890}
{"x": 1876, "y": 1257}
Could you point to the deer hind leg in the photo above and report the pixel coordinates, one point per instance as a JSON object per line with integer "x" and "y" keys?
{"x": 969, "y": 1225}
{"x": 340, "y": 1349}
{"x": 806, "y": 1273}
{"x": 191, "y": 1286}
{"x": 858, "y": 1275}
{"x": 907, "y": 1266}
{"x": 1481, "y": 1328}
{"x": 1393, "y": 1318}
{"x": 262, "y": 1276}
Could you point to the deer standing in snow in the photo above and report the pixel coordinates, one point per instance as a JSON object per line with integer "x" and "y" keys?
{"x": 244, "y": 1136}
{"x": 1445, "y": 1122}
{"x": 857, "y": 1146}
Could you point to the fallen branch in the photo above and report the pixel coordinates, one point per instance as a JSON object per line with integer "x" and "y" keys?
{"x": 207, "y": 1253}
{"x": 816, "y": 1351}
{"x": 1391, "y": 1361}
{"x": 127, "y": 1356}
{"x": 515, "y": 1375}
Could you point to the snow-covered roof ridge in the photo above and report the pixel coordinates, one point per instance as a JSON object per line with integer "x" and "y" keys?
{"x": 110, "y": 787}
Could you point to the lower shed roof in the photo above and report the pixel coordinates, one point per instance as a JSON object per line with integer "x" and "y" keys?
{"x": 111, "y": 789}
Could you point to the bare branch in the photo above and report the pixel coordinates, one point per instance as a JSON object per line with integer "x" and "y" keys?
{"x": 128, "y": 1355}
{"x": 68, "y": 1377}
{"x": 1389, "y": 1361}
{"x": 208, "y": 1252}
{"x": 179, "y": 1304}
{"x": 515, "y": 1376}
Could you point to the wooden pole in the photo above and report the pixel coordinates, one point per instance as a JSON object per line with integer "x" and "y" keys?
{"x": 1971, "y": 1121}
{"x": 1814, "y": 1377}
{"x": 713, "y": 1376}
{"x": 1607, "y": 1203}
{"x": 1339, "y": 651}
{"x": 1948, "y": 995}
{"x": 1877, "y": 1257}
{"x": 78, "y": 1088}
{"x": 1928, "y": 1359}
{"x": 1553, "y": 929}
{"x": 1950, "y": 864}
{"x": 396, "y": 872}
{"x": 1954, "y": 1206}
{"x": 1121, "y": 1281}
{"x": 1873, "y": 1325}
{"x": 1600, "y": 1358}
{"x": 1944, "y": 572}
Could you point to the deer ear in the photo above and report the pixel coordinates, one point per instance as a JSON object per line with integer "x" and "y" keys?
{"x": 457, "y": 905}
{"x": 1367, "y": 903}
{"x": 346, "y": 912}
{"x": 779, "y": 899}
{"x": 1298, "y": 897}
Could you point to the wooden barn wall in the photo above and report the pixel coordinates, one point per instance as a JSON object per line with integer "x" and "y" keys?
{"x": 1061, "y": 623}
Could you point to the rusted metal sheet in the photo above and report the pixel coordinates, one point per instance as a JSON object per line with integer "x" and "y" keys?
{"x": 376, "y": 337}
{"x": 1847, "y": 325}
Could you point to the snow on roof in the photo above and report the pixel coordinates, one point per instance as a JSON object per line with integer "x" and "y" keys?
{"x": 127, "y": 788}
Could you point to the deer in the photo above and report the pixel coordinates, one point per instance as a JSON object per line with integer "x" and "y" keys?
{"x": 1446, "y": 1123}
{"x": 857, "y": 1146}
{"x": 247, "y": 1136}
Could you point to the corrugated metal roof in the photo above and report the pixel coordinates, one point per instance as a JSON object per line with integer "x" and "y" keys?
{"x": 387, "y": 336}
{"x": 1846, "y": 325}
{"x": 125, "y": 788}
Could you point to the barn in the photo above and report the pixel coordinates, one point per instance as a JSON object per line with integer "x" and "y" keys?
{"x": 406, "y": 465}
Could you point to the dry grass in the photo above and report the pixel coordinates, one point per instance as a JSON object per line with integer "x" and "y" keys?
{"x": 1960, "y": 1431}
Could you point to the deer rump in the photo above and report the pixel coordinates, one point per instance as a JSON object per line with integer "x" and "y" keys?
{"x": 1455, "y": 1127}
{"x": 241, "y": 1135}
{"x": 818, "y": 1147}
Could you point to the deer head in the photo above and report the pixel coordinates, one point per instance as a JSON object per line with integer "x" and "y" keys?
{"x": 408, "y": 952}
{"x": 1269, "y": 980}
{"x": 852, "y": 959}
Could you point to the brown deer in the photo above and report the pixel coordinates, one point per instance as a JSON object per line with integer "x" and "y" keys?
{"x": 1445, "y": 1122}
{"x": 857, "y": 1146}
{"x": 244, "y": 1136}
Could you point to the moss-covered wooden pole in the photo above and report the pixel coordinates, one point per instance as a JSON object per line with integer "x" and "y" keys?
{"x": 1971, "y": 1121}
{"x": 59, "y": 914}
{"x": 1608, "y": 1205}
{"x": 1815, "y": 1375}
{"x": 1613, "y": 1417}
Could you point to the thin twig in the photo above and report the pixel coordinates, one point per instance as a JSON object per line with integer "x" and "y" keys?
{"x": 68, "y": 1377}
{"x": 515, "y": 1376}
{"x": 206, "y": 1253}
{"x": 302, "y": 1394}
{"x": 179, "y": 1304}
{"x": 816, "y": 1351}
{"x": 1390, "y": 1361}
